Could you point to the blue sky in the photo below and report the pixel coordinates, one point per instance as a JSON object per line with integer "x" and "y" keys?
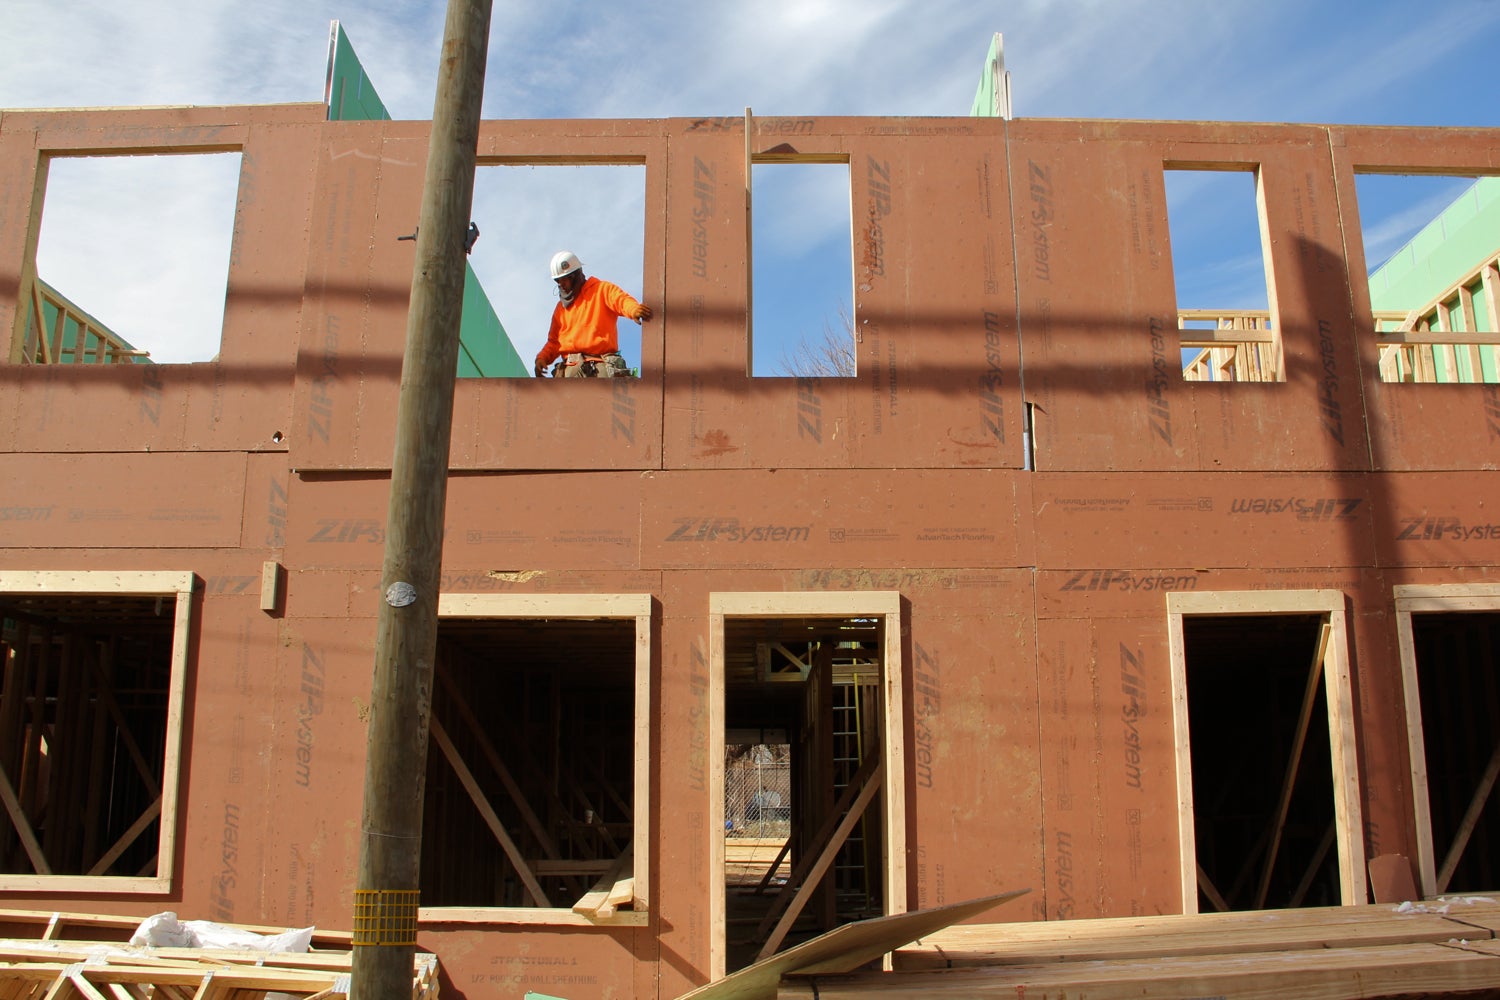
{"x": 1383, "y": 62}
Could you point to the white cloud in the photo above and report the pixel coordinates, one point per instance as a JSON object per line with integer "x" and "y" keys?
{"x": 1126, "y": 58}
{"x": 142, "y": 244}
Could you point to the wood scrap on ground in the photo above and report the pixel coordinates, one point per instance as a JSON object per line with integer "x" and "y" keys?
{"x": 614, "y": 890}
{"x": 1326, "y": 953}
{"x": 843, "y": 948}
{"x": 102, "y": 965}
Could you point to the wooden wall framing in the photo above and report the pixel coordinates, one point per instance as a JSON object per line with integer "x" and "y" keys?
{"x": 885, "y": 605}
{"x": 1348, "y": 823}
{"x": 178, "y": 586}
{"x": 636, "y": 607}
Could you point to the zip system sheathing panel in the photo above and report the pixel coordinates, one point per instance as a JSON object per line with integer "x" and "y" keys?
{"x": 1001, "y": 269}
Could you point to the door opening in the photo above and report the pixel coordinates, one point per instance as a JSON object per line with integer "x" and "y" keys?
{"x": 1450, "y": 639}
{"x": 799, "y": 847}
{"x": 1270, "y": 814}
{"x": 1262, "y": 788}
{"x": 1460, "y": 693}
{"x": 808, "y": 836}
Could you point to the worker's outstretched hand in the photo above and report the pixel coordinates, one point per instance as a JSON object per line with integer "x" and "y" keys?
{"x": 645, "y": 313}
{"x": 539, "y": 368}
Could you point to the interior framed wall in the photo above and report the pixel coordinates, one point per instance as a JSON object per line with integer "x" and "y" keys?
{"x": 1348, "y": 821}
{"x": 578, "y": 607}
{"x": 113, "y": 598}
{"x": 884, "y": 605}
{"x": 1431, "y": 599}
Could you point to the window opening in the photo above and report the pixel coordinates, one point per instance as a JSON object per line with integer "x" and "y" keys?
{"x": 528, "y": 212}
{"x": 1270, "y": 816}
{"x": 1221, "y": 271}
{"x": 90, "y": 728}
{"x": 1432, "y": 246}
{"x": 802, "y": 313}
{"x": 536, "y": 770}
{"x": 132, "y": 260}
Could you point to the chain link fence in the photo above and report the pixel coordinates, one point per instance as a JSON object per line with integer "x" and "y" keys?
{"x": 758, "y": 794}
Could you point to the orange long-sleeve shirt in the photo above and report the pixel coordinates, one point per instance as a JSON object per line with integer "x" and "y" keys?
{"x": 587, "y": 326}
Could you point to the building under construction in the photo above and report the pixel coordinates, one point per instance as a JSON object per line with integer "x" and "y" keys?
{"x": 1019, "y": 605}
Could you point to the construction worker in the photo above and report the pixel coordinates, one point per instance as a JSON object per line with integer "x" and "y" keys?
{"x": 583, "y": 334}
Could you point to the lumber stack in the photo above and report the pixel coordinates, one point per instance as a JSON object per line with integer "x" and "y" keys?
{"x": 1325, "y": 953}
{"x": 50, "y": 966}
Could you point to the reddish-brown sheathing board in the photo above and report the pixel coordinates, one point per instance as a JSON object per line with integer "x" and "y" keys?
{"x": 237, "y": 731}
{"x": 564, "y": 962}
{"x": 1419, "y": 427}
{"x": 242, "y": 400}
{"x": 18, "y": 195}
{"x": 1107, "y": 782}
{"x": 1379, "y": 709}
{"x": 122, "y": 501}
{"x": 1098, "y": 313}
{"x": 975, "y": 739}
{"x": 1035, "y": 638}
{"x": 958, "y": 331}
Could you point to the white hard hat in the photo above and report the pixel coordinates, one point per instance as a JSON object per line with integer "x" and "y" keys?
{"x": 565, "y": 262}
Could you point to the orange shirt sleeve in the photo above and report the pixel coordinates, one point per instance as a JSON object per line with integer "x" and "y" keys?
{"x": 619, "y": 301}
{"x": 552, "y": 348}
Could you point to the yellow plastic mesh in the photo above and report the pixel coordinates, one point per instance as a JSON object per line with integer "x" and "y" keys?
{"x": 385, "y": 916}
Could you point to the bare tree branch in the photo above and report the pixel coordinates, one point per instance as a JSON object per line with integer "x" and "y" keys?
{"x": 829, "y": 356}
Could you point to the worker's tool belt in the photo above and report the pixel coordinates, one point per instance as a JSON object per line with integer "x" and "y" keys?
{"x": 591, "y": 366}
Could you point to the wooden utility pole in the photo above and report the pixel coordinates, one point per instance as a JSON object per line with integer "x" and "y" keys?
{"x": 386, "y": 894}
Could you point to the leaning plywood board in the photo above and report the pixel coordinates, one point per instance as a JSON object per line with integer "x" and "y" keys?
{"x": 1339, "y": 974}
{"x": 843, "y": 948}
{"x": 1318, "y": 928}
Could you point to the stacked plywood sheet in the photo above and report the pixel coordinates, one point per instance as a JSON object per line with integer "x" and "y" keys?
{"x": 49, "y": 966}
{"x": 1430, "y": 949}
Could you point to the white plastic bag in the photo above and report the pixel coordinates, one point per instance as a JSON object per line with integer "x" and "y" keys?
{"x": 164, "y": 930}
